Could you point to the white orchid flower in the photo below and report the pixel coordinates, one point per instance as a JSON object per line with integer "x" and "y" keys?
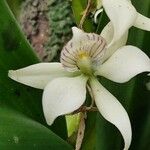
{"x": 123, "y": 15}
{"x": 82, "y": 60}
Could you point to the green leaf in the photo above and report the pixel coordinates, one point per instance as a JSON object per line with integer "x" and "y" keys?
{"x": 19, "y": 132}
{"x": 89, "y": 141}
{"x": 15, "y": 6}
{"x": 78, "y": 7}
{"x": 140, "y": 104}
{"x": 16, "y": 52}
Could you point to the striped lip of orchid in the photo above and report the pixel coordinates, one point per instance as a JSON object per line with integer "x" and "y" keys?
{"x": 83, "y": 55}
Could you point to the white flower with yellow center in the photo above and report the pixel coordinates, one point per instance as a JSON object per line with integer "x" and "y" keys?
{"x": 82, "y": 60}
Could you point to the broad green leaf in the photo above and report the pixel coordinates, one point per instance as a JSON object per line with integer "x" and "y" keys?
{"x": 89, "y": 142}
{"x": 140, "y": 104}
{"x": 15, "y": 52}
{"x": 19, "y": 132}
{"x": 102, "y": 21}
{"x": 15, "y": 6}
{"x": 145, "y": 135}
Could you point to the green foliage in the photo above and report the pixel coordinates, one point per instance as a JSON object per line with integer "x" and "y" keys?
{"x": 78, "y": 7}
{"x": 22, "y": 122}
{"x": 19, "y": 132}
{"x": 15, "y": 6}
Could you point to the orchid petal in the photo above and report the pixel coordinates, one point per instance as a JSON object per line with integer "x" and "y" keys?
{"x": 63, "y": 96}
{"x": 78, "y": 38}
{"x": 124, "y": 64}
{"x": 90, "y": 43}
{"x": 78, "y": 34}
{"x": 116, "y": 10}
{"x": 96, "y": 14}
{"x": 107, "y": 34}
{"x": 112, "y": 111}
{"x": 81, "y": 38}
{"x": 142, "y": 22}
{"x": 38, "y": 75}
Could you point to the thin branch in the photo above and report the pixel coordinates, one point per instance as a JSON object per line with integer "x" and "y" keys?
{"x": 84, "y": 109}
{"x": 85, "y": 14}
{"x": 81, "y": 131}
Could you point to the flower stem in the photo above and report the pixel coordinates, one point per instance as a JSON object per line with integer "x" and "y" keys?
{"x": 81, "y": 131}
{"x": 85, "y": 13}
{"x": 83, "y": 115}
